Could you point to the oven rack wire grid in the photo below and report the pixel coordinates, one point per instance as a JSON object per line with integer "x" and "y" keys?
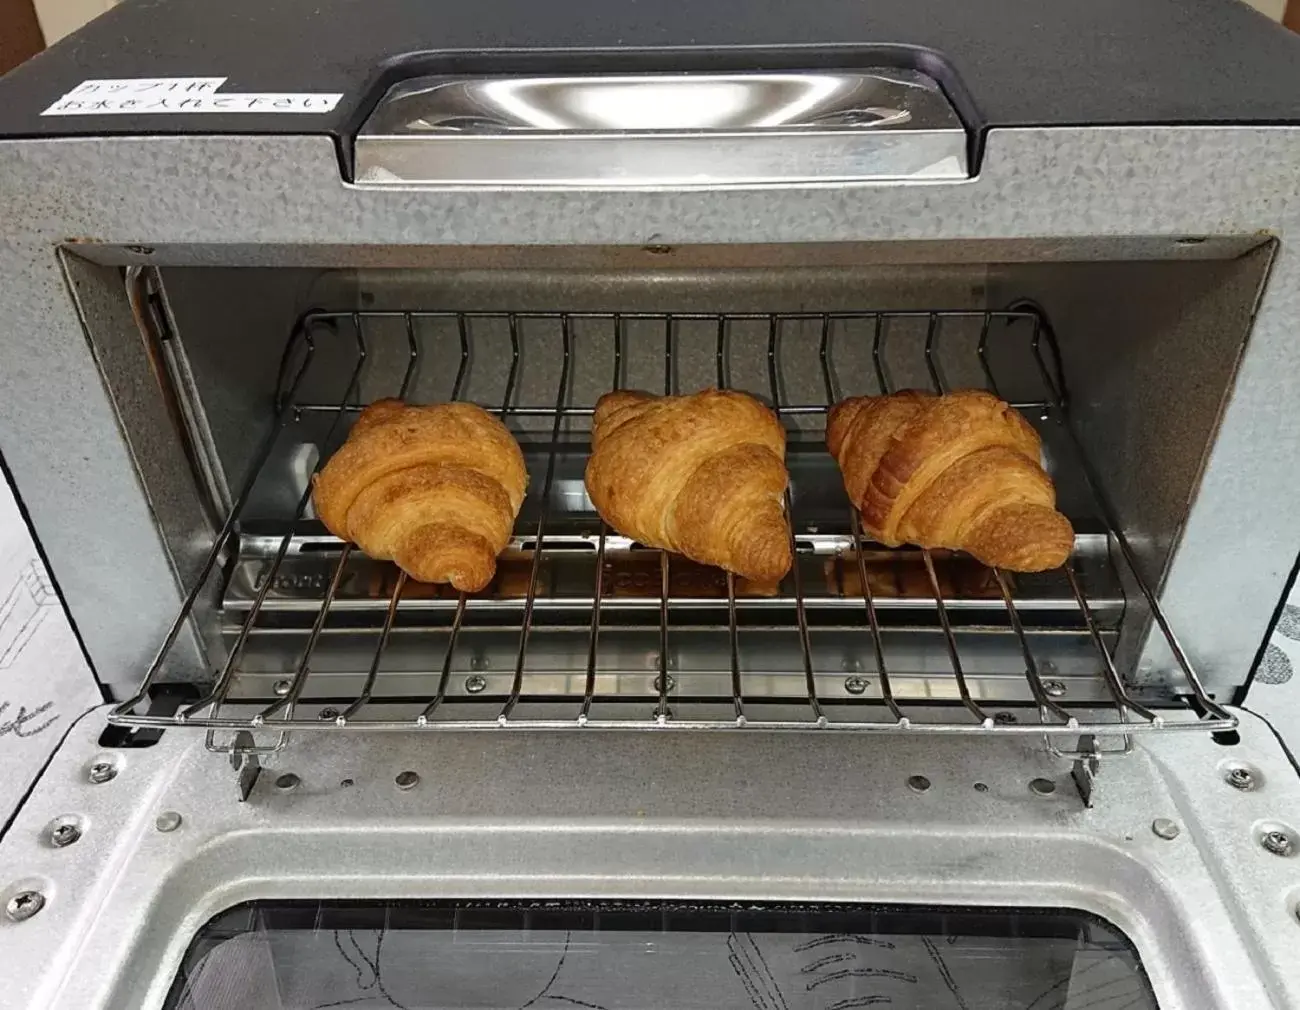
{"x": 800, "y": 363}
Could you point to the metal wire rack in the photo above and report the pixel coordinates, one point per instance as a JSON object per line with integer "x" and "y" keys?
{"x": 583, "y": 628}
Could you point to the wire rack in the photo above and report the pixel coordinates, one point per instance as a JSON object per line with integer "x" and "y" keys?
{"x": 313, "y": 636}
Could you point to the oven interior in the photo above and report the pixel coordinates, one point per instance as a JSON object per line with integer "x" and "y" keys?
{"x": 1122, "y": 352}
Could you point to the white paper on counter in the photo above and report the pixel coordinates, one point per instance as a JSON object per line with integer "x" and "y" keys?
{"x": 45, "y": 682}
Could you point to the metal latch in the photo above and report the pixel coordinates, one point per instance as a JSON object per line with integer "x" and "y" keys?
{"x": 247, "y": 765}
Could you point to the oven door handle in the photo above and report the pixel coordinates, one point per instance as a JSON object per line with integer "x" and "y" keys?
{"x": 663, "y": 130}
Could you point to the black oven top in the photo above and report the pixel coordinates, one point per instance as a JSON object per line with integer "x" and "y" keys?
{"x": 1004, "y": 62}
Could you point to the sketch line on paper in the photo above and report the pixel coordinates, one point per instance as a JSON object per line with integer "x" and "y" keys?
{"x": 546, "y": 993}
{"x": 577, "y": 1002}
{"x": 822, "y": 962}
{"x": 20, "y": 725}
{"x": 944, "y": 973}
{"x": 376, "y": 980}
{"x": 26, "y": 606}
{"x": 751, "y": 968}
{"x": 822, "y": 941}
{"x": 546, "y": 989}
{"x": 838, "y": 976}
{"x": 338, "y": 945}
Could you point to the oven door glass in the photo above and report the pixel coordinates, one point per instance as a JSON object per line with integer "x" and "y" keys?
{"x": 562, "y": 955}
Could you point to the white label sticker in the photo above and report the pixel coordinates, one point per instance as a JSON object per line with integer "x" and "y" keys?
{"x": 147, "y": 95}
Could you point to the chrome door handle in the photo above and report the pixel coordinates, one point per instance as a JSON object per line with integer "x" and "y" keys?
{"x": 663, "y": 130}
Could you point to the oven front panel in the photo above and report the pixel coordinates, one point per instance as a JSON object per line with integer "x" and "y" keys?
{"x": 165, "y": 844}
{"x": 84, "y": 426}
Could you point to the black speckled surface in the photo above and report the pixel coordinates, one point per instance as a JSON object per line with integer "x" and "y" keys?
{"x": 1023, "y": 62}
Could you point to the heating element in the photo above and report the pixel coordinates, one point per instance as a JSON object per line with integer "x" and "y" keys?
{"x": 584, "y": 628}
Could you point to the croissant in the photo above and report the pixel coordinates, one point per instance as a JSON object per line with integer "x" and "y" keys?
{"x": 702, "y": 475}
{"x": 434, "y": 488}
{"x": 960, "y": 471}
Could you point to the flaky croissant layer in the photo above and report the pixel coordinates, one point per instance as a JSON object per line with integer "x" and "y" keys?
{"x": 702, "y": 475}
{"x": 434, "y": 488}
{"x": 960, "y": 471}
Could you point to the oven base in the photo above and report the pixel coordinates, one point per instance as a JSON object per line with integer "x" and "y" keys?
{"x": 744, "y": 816}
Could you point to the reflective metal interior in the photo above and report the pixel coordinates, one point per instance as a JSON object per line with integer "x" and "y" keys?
{"x": 582, "y": 627}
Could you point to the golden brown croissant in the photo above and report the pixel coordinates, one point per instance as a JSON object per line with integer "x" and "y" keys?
{"x": 960, "y": 471}
{"x": 435, "y": 489}
{"x": 702, "y": 475}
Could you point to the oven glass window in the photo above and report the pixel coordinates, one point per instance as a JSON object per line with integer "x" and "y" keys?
{"x": 654, "y": 956}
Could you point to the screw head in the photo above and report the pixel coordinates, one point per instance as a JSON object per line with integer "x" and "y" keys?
{"x": 23, "y": 905}
{"x": 101, "y": 772}
{"x": 281, "y": 687}
{"x": 475, "y": 683}
{"x": 168, "y": 821}
{"x": 1054, "y": 688}
{"x": 918, "y": 783}
{"x": 407, "y": 780}
{"x": 856, "y": 685}
{"x": 1005, "y": 718}
{"x": 1240, "y": 778}
{"x": 1164, "y": 828}
{"x": 288, "y": 782}
{"x": 64, "y": 834}
{"x": 1278, "y": 842}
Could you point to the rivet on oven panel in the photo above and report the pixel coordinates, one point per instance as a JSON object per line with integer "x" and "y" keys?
{"x": 475, "y": 683}
{"x": 1042, "y": 787}
{"x": 856, "y": 685}
{"x": 23, "y": 905}
{"x": 1164, "y": 828}
{"x": 1240, "y": 778}
{"x": 407, "y": 780}
{"x": 168, "y": 821}
{"x": 281, "y": 687}
{"x": 1054, "y": 688}
{"x": 918, "y": 783}
{"x": 328, "y": 714}
{"x": 672, "y": 684}
{"x": 101, "y": 772}
{"x": 287, "y": 782}
{"x": 1004, "y": 718}
{"x": 1277, "y": 842}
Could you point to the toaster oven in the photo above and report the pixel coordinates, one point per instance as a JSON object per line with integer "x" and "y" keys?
{"x": 616, "y": 778}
